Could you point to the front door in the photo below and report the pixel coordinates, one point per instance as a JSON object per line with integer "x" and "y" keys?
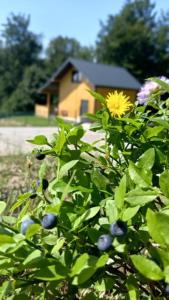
{"x": 83, "y": 107}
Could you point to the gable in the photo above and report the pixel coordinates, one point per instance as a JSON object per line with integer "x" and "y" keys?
{"x": 97, "y": 74}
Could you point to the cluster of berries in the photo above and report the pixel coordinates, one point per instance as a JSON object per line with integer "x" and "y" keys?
{"x": 49, "y": 221}
{"x": 117, "y": 229}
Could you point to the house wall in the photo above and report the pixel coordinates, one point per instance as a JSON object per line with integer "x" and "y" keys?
{"x": 70, "y": 96}
{"x": 104, "y": 91}
{"x": 42, "y": 110}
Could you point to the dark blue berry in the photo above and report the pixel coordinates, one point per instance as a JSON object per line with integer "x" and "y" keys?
{"x": 33, "y": 194}
{"x": 118, "y": 228}
{"x": 25, "y": 224}
{"x": 49, "y": 221}
{"x": 45, "y": 184}
{"x": 104, "y": 242}
{"x": 167, "y": 288}
{"x": 40, "y": 156}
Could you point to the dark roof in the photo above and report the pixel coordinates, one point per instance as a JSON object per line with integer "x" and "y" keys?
{"x": 98, "y": 74}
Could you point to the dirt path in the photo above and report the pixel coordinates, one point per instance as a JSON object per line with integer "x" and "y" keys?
{"x": 13, "y": 139}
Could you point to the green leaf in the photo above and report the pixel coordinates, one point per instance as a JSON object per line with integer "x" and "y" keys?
{"x": 39, "y": 140}
{"x": 146, "y": 160}
{"x": 52, "y": 273}
{"x": 65, "y": 168}
{"x": 42, "y": 170}
{"x": 5, "y": 289}
{"x": 2, "y": 207}
{"x": 87, "y": 215}
{"x": 80, "y": 263}
{"x": 132, "y": 287}
{"x": 164, "y": 257}
{"x": 33, "y": 257}
{"x": 62, "y": 124}
{"x": 6, "y": 263}
{"x": 23, "y": 211}
{"x": 84, "y": 275}
{"x": 164, "y": 183}
{"x": 147, "y": 268}
{"x": 75, "y": 134}
{"x": 133, "y": 122}
{"x": 166, "y": 274}
{"x": 163, "y": 226}
{"x": 162, "y": 122}
{"x": 154, "y": 131}
{"x": 140, "y": 197}
{"x": 93, "y": 234}
{"x": 111, "y": 210}
{"x": 104, "y": 284}
{"x": 105, "y": 119}
{"x": 99, "y": 180}
{"x": 87, "y": 266}
{"x": 90, "y": 296}
{"x": 152, "y": 227}
{"x": 102, "y": 261}
{"x": 158, "y": 227}
{"x": 120, "y": 193}
{"x": 50, "y": 239}
{"x": 9, "y": 220}
{"x": 32, "y": 230}
{"x": 60, "y": 140}
{"x": 139, "y": 176}
{"x": 129, "y": 213}
{"x": 6, "y": 239}
{"x": 59, "y": 244}
{"x": 21, "y": 199}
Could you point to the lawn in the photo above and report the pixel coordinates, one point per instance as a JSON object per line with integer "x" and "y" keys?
{"x": 27, "y": 120}
{"x": 19, "y": 173}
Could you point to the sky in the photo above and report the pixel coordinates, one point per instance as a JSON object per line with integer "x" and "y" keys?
{"x": 79, "y": 19}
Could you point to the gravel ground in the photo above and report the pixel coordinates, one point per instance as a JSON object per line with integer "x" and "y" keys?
{"x": 13, "y": 139}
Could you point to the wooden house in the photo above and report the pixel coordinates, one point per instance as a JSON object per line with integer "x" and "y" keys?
{"x": 70, "y": 85}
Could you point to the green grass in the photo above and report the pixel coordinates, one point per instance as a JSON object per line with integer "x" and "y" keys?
{"x": 29, "y": 120}
{"x": 19, "y": 173}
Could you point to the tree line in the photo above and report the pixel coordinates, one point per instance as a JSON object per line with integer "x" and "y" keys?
{"x": 135, "y": 38}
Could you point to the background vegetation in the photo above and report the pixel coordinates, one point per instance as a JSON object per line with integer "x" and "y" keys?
{"x": 136, "y": 38}
{"x": 93, "y": 222}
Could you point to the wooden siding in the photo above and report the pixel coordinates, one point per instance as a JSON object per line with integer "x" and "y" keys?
{"x": 104, "y": 91}
{"x": 42, "y": 110}
{"x": 70, "y": 96}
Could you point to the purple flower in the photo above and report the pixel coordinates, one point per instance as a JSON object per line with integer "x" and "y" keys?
{"x": 148, "y": 88}
{"x": 165, "y": 79}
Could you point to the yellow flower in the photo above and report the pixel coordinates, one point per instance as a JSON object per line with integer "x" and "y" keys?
{"x": 118, "y": 103}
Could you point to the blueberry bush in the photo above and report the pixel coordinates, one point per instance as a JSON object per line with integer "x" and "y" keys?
{"x": 99, "y": 228}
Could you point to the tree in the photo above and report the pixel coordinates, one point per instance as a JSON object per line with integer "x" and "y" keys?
{"x": 23, "y": 98}
{"x": 135, "y": 39}
{"x": 24, "y": 44}
{"x": 20, "y": 49}
{"x": 162, "y": 43}
{"x": 60, "y": 48}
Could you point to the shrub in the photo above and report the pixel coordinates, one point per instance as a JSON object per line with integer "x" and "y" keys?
{"x": 122, "y": 183}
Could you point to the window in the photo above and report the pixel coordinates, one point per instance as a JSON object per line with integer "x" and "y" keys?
{"x": 84, "y": 107}
{"x": 76, "y": 76}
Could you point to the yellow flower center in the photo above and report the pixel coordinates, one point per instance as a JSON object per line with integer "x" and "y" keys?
{"x": 118, "y": 103}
